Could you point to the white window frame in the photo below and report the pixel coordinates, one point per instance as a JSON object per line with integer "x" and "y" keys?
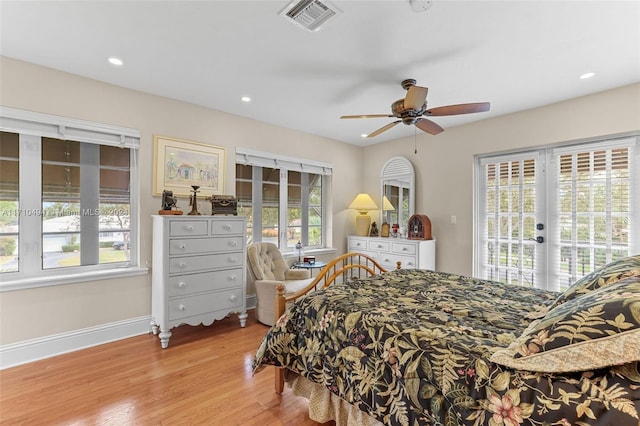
{"x": 284, "y": 164}
{"x": 31, "y": 127}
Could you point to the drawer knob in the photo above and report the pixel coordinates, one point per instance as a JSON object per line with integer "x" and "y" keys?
{"x": 227, "y": 227}
{"x": 233, "y": 277}
{"x": 182, "y": 264}
{"x": 233, "y": 259}
{"x": 182, "y": 307}
{"x": 182, "y": 284}
{"x": 233, "y": 297}
{"x": 379, "y": 245}
{"x": 181, "y": 246}
{"x": 233, "y": 243}
{"x": 189, "y": 228}
{"x": 404, "y": 249}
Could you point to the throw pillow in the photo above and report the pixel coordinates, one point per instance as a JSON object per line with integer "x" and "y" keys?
{"x": 603, "y": 276}
{"x": 595, "y": 330}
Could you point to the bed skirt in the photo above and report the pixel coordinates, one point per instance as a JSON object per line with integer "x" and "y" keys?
{"x": 325, "y": 406}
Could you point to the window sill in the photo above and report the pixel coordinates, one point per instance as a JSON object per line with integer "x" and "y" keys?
{"x": 51, "y": 280}
{"x": 315, "y": 252}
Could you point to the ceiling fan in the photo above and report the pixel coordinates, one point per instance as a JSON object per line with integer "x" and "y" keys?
{"x": 413, "y": 108}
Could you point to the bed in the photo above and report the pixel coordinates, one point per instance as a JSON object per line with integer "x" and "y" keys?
{"x": 417, "y": 347}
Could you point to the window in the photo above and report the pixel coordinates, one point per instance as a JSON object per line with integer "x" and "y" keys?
{"x": 283, "y": 198}
{"x": 66, "y": 198}
{"x": 548, "y": 217}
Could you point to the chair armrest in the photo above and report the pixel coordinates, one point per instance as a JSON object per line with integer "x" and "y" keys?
{"x": 297, "y": 274}
{"x": 267, "y": 286}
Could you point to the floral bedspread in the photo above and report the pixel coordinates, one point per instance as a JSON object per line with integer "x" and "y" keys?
{"x": 412, "y": 347}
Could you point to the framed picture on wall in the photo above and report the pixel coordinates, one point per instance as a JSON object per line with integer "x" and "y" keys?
{"x": 179, "y": 164}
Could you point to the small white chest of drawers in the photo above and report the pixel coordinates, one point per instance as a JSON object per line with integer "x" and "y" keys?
{"x": 413, "y": 254}
{"x": 198, "y": 271}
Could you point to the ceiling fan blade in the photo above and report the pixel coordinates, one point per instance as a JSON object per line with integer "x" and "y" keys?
{"x": 415, "y": 98}
{"x": 368, "y": 116}
{"x": 383, "y": 129}
{"x": 459, "y": 109}
{"x": 429, "y": 126}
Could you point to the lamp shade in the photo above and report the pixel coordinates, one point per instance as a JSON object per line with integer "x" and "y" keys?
{"x": 362, "y": 203}
{"x": 386, "y": 204}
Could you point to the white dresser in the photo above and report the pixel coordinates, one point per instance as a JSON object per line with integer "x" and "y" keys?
{"x": 414, "y": 254}
{"x": 199, "y": 271}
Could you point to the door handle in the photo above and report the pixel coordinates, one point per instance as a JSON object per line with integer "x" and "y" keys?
{"x": 537, "y": 239}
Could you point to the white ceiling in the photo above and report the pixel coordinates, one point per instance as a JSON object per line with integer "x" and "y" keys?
{"x": 515, "y": 54}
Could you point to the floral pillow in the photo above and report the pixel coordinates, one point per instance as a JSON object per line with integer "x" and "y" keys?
{"x": 595, "y": 330}
{"x": 603, "y": 276}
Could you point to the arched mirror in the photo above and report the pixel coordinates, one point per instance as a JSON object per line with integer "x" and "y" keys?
{"x": 397, "y": 186}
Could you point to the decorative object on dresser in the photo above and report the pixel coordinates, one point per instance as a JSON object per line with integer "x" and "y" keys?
{"x": 419, "y": 227}
{"x": 363, "y": 203}
{"x": 384, "y": 230}
{"x": 414, "y": 254}
{"x": 374, "y": 230}
{"x": 193, "y": 202}
{"x": 224, "y": 204}
{"x": 199, "y": 271}
{"x": 169, "y": 204}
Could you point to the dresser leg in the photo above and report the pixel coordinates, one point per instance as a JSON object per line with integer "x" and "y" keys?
{"x": 164, "y": 338}
{"x": 154, "y": 327}
{"x": 243, "y": 318}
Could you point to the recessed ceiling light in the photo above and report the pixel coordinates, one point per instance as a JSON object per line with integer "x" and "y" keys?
{"x": 587, "y": 75}
{"x": 245, "y": 99}
{"x": 364, "y": 135}
{"x": 115, "y": 61}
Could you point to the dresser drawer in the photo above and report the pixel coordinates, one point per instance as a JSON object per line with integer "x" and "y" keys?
{"x": 227, "y": 227}
{"x": 377, "y": 245}
{"x": 180, "y": 228}
{"x": 404, "y": 248}
{"x": 206, "y": 262}
{"x": 184, "y": 285}
{"x": 389, "y": 261}
{"x": 185, "y": 307}
{"x": 358, "y": 244}
{"x": 204, "y": 245}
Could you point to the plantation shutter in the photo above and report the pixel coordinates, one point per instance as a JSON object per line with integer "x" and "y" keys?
{"x": 595, "y": 206}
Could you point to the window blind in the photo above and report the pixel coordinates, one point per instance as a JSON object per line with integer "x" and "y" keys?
{"x": 38, "y": 124}
{"x": 250, "y": 157}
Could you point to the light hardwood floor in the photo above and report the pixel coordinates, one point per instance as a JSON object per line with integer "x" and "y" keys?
{"x": 203, "y": 378}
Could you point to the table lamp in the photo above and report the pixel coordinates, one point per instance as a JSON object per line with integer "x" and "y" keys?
{"x": 363, "y": 203}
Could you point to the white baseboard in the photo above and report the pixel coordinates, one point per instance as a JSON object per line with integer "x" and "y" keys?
{"x": 45, "y": 347}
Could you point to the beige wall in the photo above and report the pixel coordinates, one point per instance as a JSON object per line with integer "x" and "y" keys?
{"x": 29, "y": 314}
{"x": 444, "y": 163}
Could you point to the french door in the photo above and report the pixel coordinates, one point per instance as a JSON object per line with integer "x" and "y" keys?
{"x": 547, "y": 217}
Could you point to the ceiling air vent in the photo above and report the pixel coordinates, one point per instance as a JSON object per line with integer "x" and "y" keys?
{"x": 310, "y": 14}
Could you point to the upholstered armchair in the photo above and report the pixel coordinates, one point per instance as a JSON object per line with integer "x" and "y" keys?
{"x": 266, "y": 269}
